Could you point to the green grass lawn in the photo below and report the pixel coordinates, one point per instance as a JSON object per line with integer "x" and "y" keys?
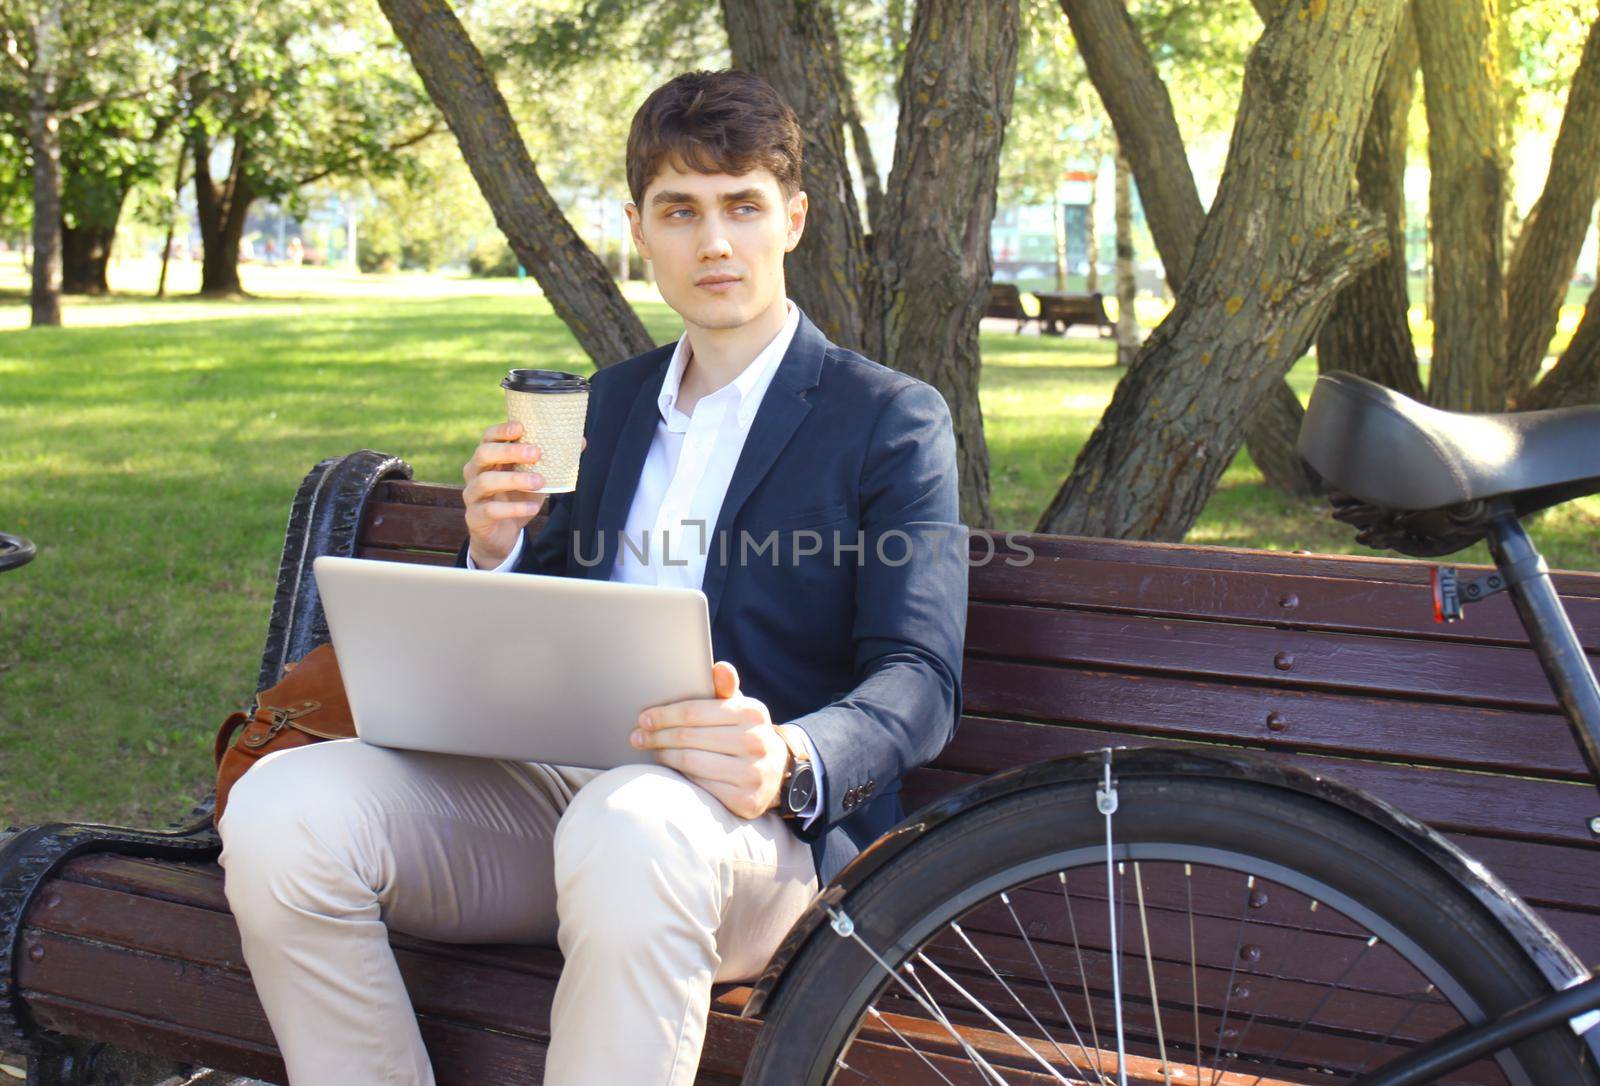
{"x": 152, "y": 449}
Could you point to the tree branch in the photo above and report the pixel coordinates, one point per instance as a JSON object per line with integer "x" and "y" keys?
{"x": 579, "y": 287}
{"x": 1552, "y": 237}
{"x": 350, "y": 160}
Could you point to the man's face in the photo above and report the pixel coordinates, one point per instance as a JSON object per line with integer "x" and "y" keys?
{"x": 717, "y": 242}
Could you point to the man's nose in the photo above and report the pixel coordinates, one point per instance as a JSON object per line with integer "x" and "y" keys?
{"x": 714, "y": 245}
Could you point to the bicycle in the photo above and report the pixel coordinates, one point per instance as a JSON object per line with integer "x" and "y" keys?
{"x": 1159, "y": 884}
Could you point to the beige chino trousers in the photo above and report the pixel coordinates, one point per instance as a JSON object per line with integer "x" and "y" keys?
{"x": 651, "y": 888}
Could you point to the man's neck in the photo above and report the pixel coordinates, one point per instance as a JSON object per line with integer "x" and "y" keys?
{"x": 718, "y": 355}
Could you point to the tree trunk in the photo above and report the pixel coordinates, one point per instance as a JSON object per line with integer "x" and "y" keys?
{"x": 172, "y": 223}
{"x": 44, "y": 138}
{"x": 1575, "y": 379}
{"x": 792, "y": 45}
{"x": 85, "y": 255}
{"x": 1467, "y": 194}
{"x": 1091, "y": 235}
{"x": 921, "y": 290}
{"x": 1129, "y": 339}
{"x": 1136, "y": 99}
{"x": 86, "y": 248}
{"x": 1368, "y": 331}
{"x": 574, "y": 280}
{"x": 933, "y": 243}
{"x": 1283, "y": 237}
{"x": 1272, "y": 437}
{"x": 221, "y": 213}
{"x": 1552, "y": 236}
{"x": 1059, "y": 233}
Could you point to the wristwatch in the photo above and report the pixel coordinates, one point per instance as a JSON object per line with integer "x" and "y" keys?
{"x": 799, "y": 776}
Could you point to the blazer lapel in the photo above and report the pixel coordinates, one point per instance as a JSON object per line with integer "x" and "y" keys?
{"x": 627, "y": 464}
{"x": 782, "y": 408}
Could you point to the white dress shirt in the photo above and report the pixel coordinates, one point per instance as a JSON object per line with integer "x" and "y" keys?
{"x": 685, "y": 477}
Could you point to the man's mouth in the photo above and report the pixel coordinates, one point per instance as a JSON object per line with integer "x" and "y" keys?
{"x": 718, "y": 283}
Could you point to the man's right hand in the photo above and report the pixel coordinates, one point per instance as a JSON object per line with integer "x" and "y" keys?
{"x": 500, "y": 502}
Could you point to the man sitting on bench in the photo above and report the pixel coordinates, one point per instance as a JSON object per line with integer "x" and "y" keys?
{"x": 839, "y": 663}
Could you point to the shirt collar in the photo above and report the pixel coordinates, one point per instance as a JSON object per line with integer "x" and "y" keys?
{"x": 751, "y": 382}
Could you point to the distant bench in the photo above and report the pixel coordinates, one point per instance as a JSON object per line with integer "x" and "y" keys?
{"x": 1332, "y": 664}
{"x": 1059, "y": 312}
{"x": 1005, "y": 302}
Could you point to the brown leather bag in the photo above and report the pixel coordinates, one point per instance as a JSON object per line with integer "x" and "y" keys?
{"x": 308, "y": 705}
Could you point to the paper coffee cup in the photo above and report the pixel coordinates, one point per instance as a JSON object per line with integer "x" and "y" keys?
{"x": 551, "y": 406}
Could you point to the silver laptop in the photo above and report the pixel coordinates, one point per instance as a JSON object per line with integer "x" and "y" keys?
{"x": 510, "y": 665}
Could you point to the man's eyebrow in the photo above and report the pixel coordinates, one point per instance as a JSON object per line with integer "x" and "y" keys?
{"x": 665, "y": 197}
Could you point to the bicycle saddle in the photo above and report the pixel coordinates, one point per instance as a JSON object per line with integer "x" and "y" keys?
{"x": 1388, "y": 458}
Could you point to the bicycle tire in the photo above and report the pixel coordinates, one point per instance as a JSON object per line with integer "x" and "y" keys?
{"x": 1334, "y": 855}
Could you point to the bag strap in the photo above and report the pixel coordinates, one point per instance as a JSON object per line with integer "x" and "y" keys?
{"x": 225, "y": 734}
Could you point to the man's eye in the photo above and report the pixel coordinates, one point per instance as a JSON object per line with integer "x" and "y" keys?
{"x": 675, "y": 212}
{"x": 747, "y": 207}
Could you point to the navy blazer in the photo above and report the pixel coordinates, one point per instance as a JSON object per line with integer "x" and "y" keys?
{"x": 858, "y": 642}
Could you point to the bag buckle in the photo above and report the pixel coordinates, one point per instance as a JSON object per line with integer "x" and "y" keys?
{"x": 281, "y": 718}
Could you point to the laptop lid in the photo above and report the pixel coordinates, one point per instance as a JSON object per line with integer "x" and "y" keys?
{"x": 510, "y": 665}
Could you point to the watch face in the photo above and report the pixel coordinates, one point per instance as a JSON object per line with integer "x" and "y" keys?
{"x": 802, "y": 786}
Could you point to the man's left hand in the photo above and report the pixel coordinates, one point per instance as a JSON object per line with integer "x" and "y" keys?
{"x": 726, "y": 744}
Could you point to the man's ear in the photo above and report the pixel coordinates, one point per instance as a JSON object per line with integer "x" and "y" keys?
{"x": 797, "y": 207}
{"x": 636, "y": 228}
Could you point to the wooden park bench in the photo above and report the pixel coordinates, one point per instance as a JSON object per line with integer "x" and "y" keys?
{"x": 1329, "y": 663}
{"x": 1005, "y": 301}
{"x": 1059, "y": 312}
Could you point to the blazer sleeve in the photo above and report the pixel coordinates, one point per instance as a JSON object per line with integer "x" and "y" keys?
{"x": 910, "y": 609}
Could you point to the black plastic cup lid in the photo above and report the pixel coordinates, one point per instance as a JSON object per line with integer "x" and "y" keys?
{"x": 544, "y": 381}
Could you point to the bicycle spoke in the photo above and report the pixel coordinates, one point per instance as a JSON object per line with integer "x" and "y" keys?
{"x": 1379, "y": 1046}
{"x": 844, "y": 927}
{"x": 877, "y": 1014}
{"x": 990, "y": 1015}
{"x": 1372, "y": 941}
{"x": 1005, "y": 899}
{"x": 1233, "y": 970}
{"x": 1150, "y": 973}
{"x": 1106, "y": 802}
{"x": 870, "y": 1076}
{"x": 1194, "y": 968}
{"x": 1274, "y": 977}
{"x": 1083, "y": 974}
{"x": 1018, "y": 999}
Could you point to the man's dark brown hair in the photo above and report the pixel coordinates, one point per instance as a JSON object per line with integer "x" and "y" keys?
{"x": 714, "y": 122}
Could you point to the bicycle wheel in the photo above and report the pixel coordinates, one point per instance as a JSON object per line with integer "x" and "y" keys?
{"x": 1251, "y": 935}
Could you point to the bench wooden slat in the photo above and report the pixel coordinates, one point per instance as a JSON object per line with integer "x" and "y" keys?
{"x": 1432, "y": 733}
{"x": 1276, "y": 599}
{"x": 1477, "y": 674}
{"x": 1303, "y": 564}
{"x": 391, "y": 524}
